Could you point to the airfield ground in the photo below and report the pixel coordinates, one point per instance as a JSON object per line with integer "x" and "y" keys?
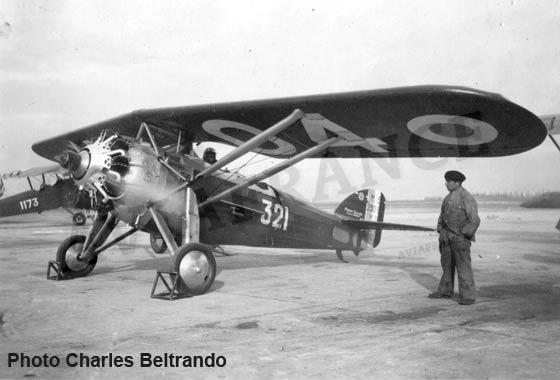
{"x": 288, "y": 314}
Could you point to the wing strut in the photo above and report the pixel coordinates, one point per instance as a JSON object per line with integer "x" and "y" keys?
{"x": 164, "y": 230}
{"x": 253, "y": 143}
{"x": 273, "y": 170}
{"x": 146, "y": 127}
{"x": 248, "y": 146}
{"x": 239, "y": 151}
{"x": 554, "y": 141}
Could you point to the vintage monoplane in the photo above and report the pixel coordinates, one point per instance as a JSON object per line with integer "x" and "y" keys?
{"x": 58, "y": 191}
{"x": 143, "y": 168}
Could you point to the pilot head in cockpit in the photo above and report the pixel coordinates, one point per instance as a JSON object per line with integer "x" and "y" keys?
{"x": 209, "y": 155}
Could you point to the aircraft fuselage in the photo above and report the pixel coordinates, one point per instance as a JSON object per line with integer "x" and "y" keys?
{"x": 258, "y": 215}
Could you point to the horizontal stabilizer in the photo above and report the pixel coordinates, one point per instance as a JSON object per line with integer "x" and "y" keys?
{"x": 371, "y": 225}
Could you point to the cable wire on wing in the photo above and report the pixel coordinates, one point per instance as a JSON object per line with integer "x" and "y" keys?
{"x": 235, "y": 171}
{"x": 285, "y": 136}
{"x": 253, "y": 163}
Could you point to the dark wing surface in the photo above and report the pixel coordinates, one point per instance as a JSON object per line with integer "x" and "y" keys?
{"x": 422, "y": 121}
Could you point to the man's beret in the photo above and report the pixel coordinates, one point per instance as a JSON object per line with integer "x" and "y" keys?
{"x": 455, "y": 176}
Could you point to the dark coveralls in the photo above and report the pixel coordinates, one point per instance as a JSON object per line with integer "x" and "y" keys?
{"x": 457, "y": 223}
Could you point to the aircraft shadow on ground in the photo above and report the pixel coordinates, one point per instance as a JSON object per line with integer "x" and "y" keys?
{"x": 237, "y": 259}
{"x": 242, "y": 260}
{"x": 534, "y": 300}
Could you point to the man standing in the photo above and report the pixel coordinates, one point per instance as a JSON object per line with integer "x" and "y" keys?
{"x": 457, "y": 224}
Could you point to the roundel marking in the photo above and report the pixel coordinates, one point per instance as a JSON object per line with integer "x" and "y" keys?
{"x": 453, "y": 130}
{"x": 216, "y": 127}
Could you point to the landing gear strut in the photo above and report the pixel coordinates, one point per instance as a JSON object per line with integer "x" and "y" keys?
{"x": 193, "y": 266}
{"x": 77, "y": 255}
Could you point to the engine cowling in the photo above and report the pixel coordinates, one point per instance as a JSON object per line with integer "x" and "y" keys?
{"x": 124, "y": 171}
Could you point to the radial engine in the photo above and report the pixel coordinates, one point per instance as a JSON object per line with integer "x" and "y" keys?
{"x": 126, "y": 173}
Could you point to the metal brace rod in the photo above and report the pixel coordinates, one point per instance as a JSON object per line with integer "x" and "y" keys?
{"x": 90, "y": 236}
{"x": 178, "y": 141}
{"x": 173, "y": 171}
{"x": 146, "y": 127}
{"x": 191, "y": 223}
{"x": 115, "y": 241}
{"x": 239, "y": 151}
{"x": 554, "y": 141}
{"x": 273, "y": 170}
{"x": 140, "y": 130}
{"x": 151, "y": 137}
{"x": 253, "y": 143}
{"x": 86, "y": 253}
{"x": 164, "y": 230}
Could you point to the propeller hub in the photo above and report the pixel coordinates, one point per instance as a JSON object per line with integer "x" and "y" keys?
{"x": 76, "y": 162}
{"x": 69, "y": 160}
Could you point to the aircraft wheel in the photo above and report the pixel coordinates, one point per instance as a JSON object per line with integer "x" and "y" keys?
{"x": 158, "y": 244}
{"x": 67, "y": 257}
{"x": 196, "y": 266}
{"x": 79, "y": 219}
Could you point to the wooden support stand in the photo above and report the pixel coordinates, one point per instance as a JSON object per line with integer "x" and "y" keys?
{"x": 55, "y": 266}
{"x": 171, "y": 293}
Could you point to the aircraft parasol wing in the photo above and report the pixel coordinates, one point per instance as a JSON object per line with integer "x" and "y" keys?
{"x": 421, "y": 121}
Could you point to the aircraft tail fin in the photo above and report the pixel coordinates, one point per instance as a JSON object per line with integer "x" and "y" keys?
{"x": 367, "y": 205}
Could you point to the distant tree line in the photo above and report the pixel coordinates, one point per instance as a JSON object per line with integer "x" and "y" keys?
{"x": 510, "y": 196}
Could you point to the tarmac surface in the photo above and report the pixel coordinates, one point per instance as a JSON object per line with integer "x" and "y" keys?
{"x": 286, "y": 314}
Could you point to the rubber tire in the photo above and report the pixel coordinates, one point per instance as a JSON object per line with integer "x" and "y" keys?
{"x": 176, "y": 263}
{"x": 79, "y": 219}
{"x": 157, "y": 249}
{"x": 61, "y": 257}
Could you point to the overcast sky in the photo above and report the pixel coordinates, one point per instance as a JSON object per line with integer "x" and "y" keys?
{"x": 67, "y": 64}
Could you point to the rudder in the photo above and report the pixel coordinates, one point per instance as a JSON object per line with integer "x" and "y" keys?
{"x": 367, "y": 204}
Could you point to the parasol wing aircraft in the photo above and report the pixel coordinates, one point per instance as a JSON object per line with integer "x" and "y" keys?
{"x": 146, "y": 174}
